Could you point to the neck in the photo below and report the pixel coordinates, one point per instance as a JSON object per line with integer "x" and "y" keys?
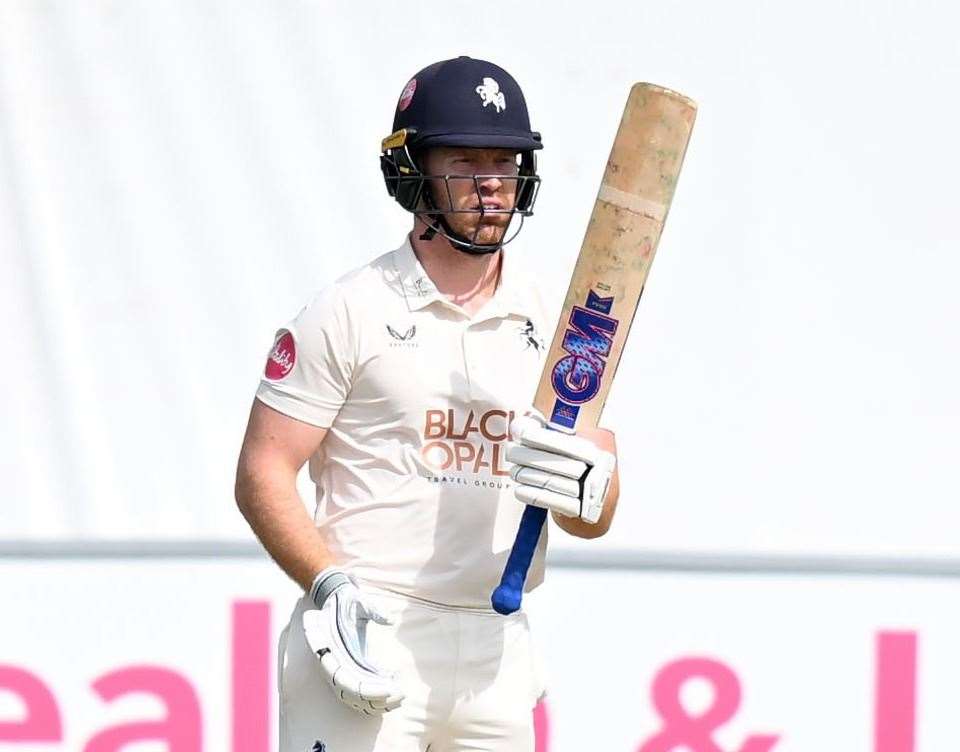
{"x": 463, "y": 278}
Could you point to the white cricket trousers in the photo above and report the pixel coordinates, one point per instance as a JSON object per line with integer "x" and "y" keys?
{"x": 471, "y": 681}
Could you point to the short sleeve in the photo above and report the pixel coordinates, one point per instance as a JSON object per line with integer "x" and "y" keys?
{"x": 310, "y": 366}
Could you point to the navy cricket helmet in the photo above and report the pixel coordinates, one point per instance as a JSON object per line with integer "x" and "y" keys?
{"x": 460, "y": 102}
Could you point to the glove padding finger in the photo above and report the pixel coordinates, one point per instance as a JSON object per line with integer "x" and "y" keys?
{"x": 358, "y": 683}
{"x": 595, "y": 487}
{"x": 361, "y": 690}
{"x": 552, "y": 466}
{"x": 568, "y": 506}
{"x": 531, "y": 476}
{"x": 550, "y": 462}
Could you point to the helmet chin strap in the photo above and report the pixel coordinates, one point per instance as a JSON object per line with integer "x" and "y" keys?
{"x": 440, "y": 226}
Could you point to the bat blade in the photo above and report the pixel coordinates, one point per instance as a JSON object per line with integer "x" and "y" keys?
{"x": 607, "y": 282}
{"x": 618, "y": 249}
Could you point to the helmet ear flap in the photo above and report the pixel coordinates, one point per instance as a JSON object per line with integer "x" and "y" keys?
{"x": 403, "y": 179}
{"x": 391, "y": 173}
{"x": 527, "y": 190}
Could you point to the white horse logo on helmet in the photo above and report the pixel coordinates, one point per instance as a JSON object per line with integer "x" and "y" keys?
{"x": 490, "y": 93}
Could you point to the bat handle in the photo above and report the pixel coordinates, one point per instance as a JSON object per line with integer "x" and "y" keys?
{"x": 506, "y": 598}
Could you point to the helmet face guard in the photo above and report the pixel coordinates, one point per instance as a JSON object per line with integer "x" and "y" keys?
{"x": 412, "y": 189}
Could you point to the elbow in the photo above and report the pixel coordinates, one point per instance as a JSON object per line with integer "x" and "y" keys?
{"x": 258, "y": 483}
{"x": 243, "y": 487}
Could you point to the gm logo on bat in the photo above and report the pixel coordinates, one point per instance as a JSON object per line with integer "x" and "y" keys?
{"x": 587, "y": 341}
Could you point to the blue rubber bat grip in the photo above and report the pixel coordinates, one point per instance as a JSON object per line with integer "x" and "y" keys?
{"x": 508, "y": 595}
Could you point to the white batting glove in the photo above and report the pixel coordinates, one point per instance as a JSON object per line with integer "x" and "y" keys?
{"x": 336, "y": 633}
{"x": 561, "y": 472}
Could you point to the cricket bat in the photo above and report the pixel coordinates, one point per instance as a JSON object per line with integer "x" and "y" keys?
{"x": 606, "y": 286}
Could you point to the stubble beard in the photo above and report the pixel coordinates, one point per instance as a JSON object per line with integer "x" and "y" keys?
{"x": 486, "y": 229}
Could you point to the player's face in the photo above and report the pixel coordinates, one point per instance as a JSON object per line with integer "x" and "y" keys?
{"x": 495, "y": 191}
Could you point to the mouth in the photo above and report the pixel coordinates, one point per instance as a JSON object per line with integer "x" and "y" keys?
{"x": 491, "y": 205}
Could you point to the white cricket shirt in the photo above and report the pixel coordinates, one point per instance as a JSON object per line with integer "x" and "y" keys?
{"x": 412, "y": 489}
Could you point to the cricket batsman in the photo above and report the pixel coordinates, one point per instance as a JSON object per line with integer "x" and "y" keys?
{"x": 406, "y": 386}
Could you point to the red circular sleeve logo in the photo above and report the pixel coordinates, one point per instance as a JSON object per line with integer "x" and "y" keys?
{"x": 282, "y": 358}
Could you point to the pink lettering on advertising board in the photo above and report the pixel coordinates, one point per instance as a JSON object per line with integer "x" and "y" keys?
{"x": 41, "y": 721}
{"x": 250, "y": 676}
{"x": 251, "y": 653}
{"x": 182, "y": 728}
{"x": 895, "y": 692}
{"x": 680, "y": 728}
{"x": 541, "y": 727}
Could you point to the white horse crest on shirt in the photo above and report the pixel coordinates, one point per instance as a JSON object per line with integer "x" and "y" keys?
{"x": 490, "y": 93}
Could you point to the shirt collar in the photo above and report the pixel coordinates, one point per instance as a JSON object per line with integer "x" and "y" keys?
{"x": 417, "y": 287}
{"x": 513, "y": 295}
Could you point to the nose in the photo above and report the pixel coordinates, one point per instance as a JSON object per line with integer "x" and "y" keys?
{"x": 490, "y": 184}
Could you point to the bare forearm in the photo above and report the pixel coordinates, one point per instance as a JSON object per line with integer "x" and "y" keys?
{"x": 279, "y": 519}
